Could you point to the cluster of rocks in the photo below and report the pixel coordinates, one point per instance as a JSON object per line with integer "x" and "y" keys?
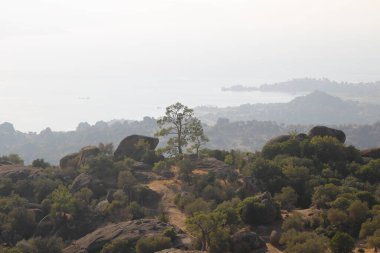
{"x": 373, "y": 153}
{"x": 128, "y": 148}
{"x": 131, "y": 231}
{"x": 315, "y": 131}
{"x": 17, "y": 172}
{"x": 219, "y": 168}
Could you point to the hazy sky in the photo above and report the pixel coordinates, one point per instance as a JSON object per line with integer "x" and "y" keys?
{"x": 66, "y": 61}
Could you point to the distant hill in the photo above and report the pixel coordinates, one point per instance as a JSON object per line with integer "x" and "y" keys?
{"x": 225, "y": 134}
{"x": 364, "y": 92}
{"x": 315, "y": 108}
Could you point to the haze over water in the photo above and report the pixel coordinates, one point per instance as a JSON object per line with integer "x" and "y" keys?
{"x": 63, "y": 107}
{"x": 67, "y": 61}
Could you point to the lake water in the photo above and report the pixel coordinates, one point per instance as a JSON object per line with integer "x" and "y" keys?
{"x": 63, "y": 105}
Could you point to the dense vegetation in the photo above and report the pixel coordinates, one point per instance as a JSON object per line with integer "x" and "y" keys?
{"x": 225, "y": 134}
{"x": 301, "y": 194}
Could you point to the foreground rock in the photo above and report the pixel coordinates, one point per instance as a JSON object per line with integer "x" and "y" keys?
{"x": 129, "y": 147}
{"x": 326, "y": 131}
{"x": 221, "y": 169}
{"x": 180, "y": 251}
{"x": 76, "y": 160}
{"x": 81, "y": 181}
{"x": 371, "y": 153}
{"x": 129, "y": 230}
{"x": 249, "y": 240}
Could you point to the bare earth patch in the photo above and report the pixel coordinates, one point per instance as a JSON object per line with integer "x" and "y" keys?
{"x": 166, "y": 188}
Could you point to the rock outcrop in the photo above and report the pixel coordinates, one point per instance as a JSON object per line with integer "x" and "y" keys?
{"x": 180, "y": 251}
{"x": 326, "y": 131}
{"x": 371, "y": 153}
{"x": 76, "y": 160}
{"x": 221, "y": 169}
{"x": 17, "y": 172}
{"x": 284, "y": 138}
{"x": 129, "y": 147}
{"x": 81, "y": 181}
{"x": 129, "y": 230}
{"x": 248, "y": 238}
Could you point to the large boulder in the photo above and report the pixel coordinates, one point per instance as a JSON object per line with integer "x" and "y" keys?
{"x": 129, "y": 147}
{"x": 86, "y": 153}
{"x": 81, "y": 181}
{"x": 129, "y": 230}
{"x": 279, "y": 139}
{"x": 326, "y": 131}
{"x": 371, "y": 153}
{"x": 69, "y": 161}
{"x": 284, "y": 138}
{"x": 249, "y": 239}
{"x": 76, "y": 160}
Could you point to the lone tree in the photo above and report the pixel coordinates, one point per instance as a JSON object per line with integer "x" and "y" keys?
{"x": 180, "y": 123}
{"x": 197, "y": 135}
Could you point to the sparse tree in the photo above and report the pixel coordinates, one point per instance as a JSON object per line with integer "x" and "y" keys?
{"x": 180, "y": 123}
{"x": 197, "y": 135}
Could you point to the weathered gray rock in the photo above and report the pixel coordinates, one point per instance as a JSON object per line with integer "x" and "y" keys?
{"x": 180, "y": 251}
{"x": 81, "y": 181}
{"x": 284, "y": 138}
{"x": 128, "y": 147}
{"x": 371, "y": 153}
{"x": 18, "y": 172}
{"x": 275, "y": 237}
{"x": 129, "y": 230}
{"x": 76, "y": 160}
{"x": 326, "y": 131}
{"x": 279, "y": 139}
{"x": 69, "y": 161}
{"x": 86, "y": 153}
{"x": 221, "y": 169}
{"x": 251, "y": 239}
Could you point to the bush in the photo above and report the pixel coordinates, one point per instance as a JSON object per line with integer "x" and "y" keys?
{"x": 253, "y": 211}
{"x": 293, "y": 222}
{"x": 152, "y": 244}
{"x": 117, "y": 246}
{"x": 342, "y": 243}
{"x": 287, "y": 198}
{"x": 303, "y": 242}
{"x": 42, "y": 245}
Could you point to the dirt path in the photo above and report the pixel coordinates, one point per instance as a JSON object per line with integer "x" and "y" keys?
{"x": 271, "y": 249}
{"x": 165, "y": 187}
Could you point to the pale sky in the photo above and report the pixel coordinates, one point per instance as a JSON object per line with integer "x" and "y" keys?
{"x": 67, "y": 61}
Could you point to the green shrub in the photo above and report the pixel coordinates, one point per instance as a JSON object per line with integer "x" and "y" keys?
{"x": 117, "y": 246}
{"x": 152, "y": 244}
{"x": 342, "y": 243}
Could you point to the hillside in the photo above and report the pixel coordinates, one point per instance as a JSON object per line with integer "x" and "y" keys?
{"x": 315, "y": 108}
{"x": 300, "y": 192}
{"x": 225, "y": 134}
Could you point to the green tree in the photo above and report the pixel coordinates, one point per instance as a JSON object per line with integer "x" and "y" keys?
{"x": 287, "y": 198}
{"x": 40, "y": 163}
{"x": 179, "y": 123}
{"x": 342, "y": 243}
{"x": 63, "y": 202}
{"x": 202, "y": 225}
{"x": 197, "y": 135}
